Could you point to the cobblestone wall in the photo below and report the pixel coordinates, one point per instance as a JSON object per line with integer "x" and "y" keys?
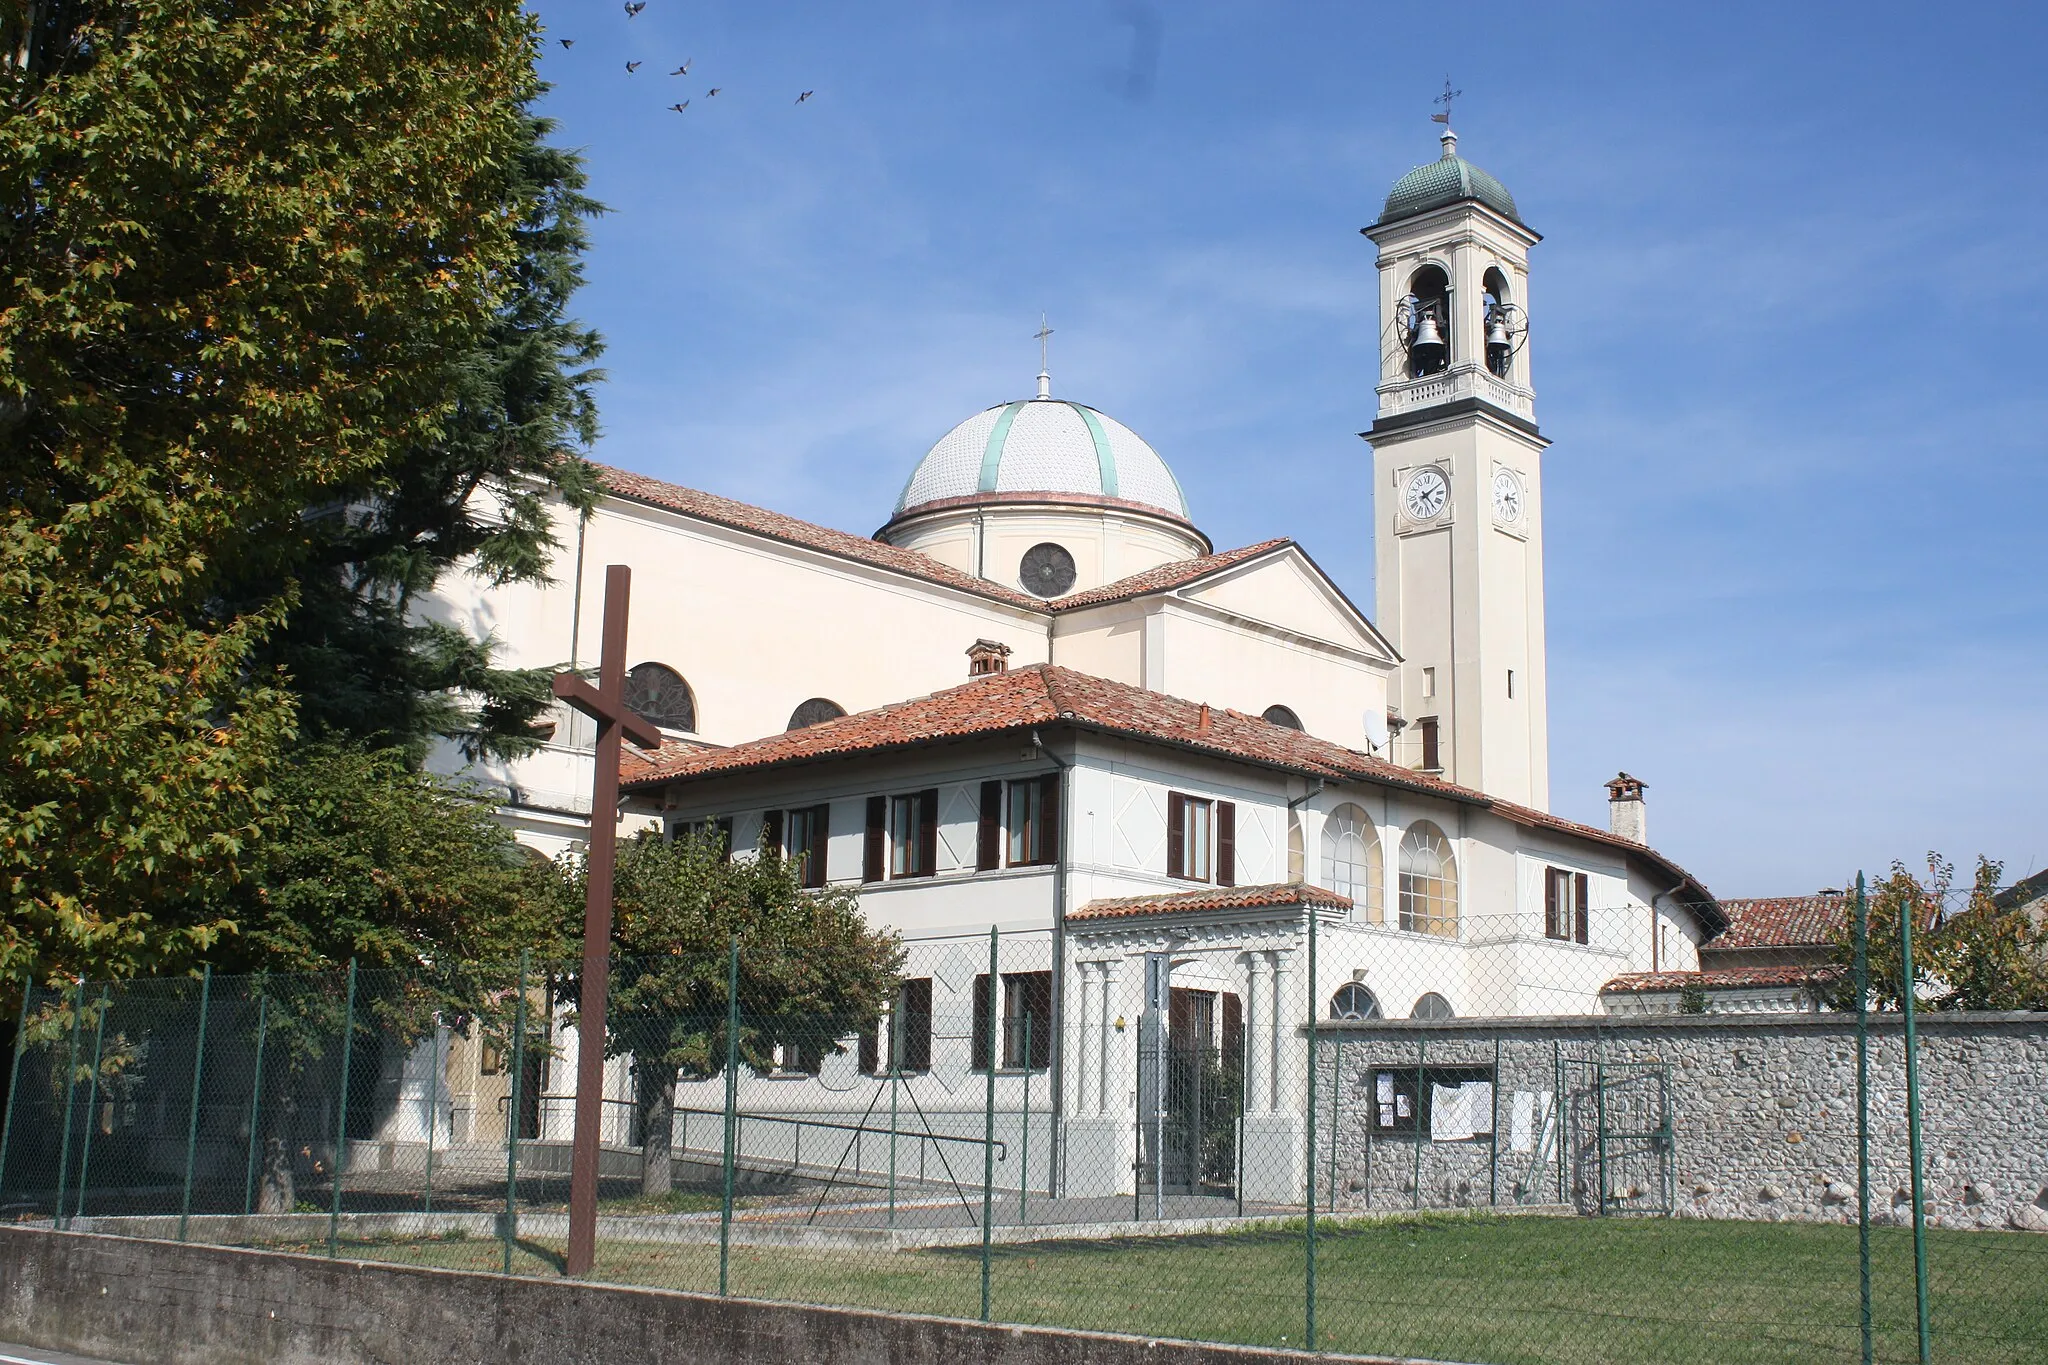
{"x": 1706, "y": 1116}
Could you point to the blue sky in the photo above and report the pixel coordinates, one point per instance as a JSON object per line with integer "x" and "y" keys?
{"x": 1788, "y": 333}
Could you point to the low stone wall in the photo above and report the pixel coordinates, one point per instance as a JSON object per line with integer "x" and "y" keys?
{"x": 178, "y": 1304}
{"x": 1762, "y": 1116}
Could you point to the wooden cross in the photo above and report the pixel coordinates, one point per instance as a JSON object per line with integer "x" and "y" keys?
{"x": 606, "y": 704}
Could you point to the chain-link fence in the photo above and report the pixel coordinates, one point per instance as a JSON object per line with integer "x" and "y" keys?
{"x": 1459, "y": 1141}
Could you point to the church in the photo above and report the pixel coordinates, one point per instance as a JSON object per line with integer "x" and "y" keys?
{"x": 1039, "y": 699}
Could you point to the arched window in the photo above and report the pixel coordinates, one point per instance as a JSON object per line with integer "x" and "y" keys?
{"x": 1353, "y": 1001}
{"x": 1432, "y": 1008}
{"x": 657, "y": 693}
{"x": 1505, "y": 324}
{"x": 816, "y": 711}
{"x": 1281, "y": 716}
{"x": 1351, "y": 860}
{"x": 1429, "y": 882}
{"x": 1426, "y": 321}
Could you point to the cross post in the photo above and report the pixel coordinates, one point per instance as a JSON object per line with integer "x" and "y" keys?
{"x": 606, "y": 704}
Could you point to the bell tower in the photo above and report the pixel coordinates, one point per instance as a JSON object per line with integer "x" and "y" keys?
{"x": 1457, "y": 481}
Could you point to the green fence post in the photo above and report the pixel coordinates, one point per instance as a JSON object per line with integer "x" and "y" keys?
{"x": 70, "y": 1091}
{"x": 14, "y": 1073}
{"x": 510, "y": 1233}
{"x": 732, "y": 1102}
{"x": 348, "y": 1037}
{"x": 1557, "y": 1111}
{"x": 896, "y": 1026}
{"x": 1493, "y": 1133}
{"x": 1421, "y": 1080}
{"x": 1309, "y": 1154}
{"x": 256, "y": 1093}
{"x": 1336, "y": 1117}
{"x": 192, "y": 1122}
{"x": 1906, "y": 913}
{"x": 1861, "y": 982}
{"x": 92, "y": 1103}
{"x": 988, "y": 1135}
{"x": 433, "y": 1108}
{"x": 1600, "y": 1111}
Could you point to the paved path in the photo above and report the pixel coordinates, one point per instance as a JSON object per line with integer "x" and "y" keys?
{"x": 36, "y": 1355}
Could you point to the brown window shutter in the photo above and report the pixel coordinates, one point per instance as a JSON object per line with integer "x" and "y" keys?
{"x": 927, "y": 832}
{"x": 1049, "y": 836}
{"x": 988, "y": 834}
{"x": 1176, "y": 834}
{"x": 771, "y": 829}
{"x": 821, "y": 833}
{"x": 982, "y": 1045}
{"x": 917, "y": 1024}
{"x": 871, "y": 1047}
{"x": 1551, "y": 928}
{"x": 1432, "y": 756}
{"x": 873, "y": 860}
{"x": 1226, "y": 843}
{"x": 1579, "y": 906}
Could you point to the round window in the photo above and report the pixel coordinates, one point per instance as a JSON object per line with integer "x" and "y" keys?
{"x": 1047, "y": 570}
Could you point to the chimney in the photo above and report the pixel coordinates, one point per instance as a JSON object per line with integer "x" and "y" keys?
{"x": 1625, "y": 808}
{"x": 985, "y": 657}
{"x": 1202, "y": 719}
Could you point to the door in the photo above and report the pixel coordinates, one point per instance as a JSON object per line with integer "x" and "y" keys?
{"x": 1204, "y": 1093}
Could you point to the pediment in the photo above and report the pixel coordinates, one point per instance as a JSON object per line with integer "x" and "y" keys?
{"x": 1288, "y": 590}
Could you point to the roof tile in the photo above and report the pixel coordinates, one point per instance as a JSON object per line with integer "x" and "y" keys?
{"x": 1213, "y": 898}
{"x": 1724, "y": 978}
{"x": 1783, "y": 921}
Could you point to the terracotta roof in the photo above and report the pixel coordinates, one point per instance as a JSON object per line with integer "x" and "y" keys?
{"x": 1782, "y": 921}
{"x": 2023, "y": 892}
{"x": 1726, "y": 978}
{"x": 1164, "y": 577}
{"x": 1213, "y": 898}
{"x": 774, "y": 525}
{"x": 1042, "y": 694}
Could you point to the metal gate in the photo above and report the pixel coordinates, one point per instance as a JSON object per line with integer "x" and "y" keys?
{"x": 1619, "y": 1139}
{"x": 1190, "y": 1089}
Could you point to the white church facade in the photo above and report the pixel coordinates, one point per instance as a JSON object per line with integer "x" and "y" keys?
{"x": 1038, "y": 699}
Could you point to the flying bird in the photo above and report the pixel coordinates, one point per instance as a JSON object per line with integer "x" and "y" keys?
{"x": 712, "y": 91}
{"x": 566, "y": 42}
{"x": 631, "y": 67}
{"x": 682, "y": 70}
{"x": 680, "y": 107}
{"x": 633, "y": 7}
{"x": 806, "y": 95}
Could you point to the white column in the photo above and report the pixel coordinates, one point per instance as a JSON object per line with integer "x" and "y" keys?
{"x": 1087, "y": 1047}
{"x": 1112, "y": 974}
{"x": 1258, "y": 1020}
{"x": 1286, "y": 1009}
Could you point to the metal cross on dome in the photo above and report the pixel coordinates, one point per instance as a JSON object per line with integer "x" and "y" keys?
{"x": 1445, "y": 100}
{"x": 605, "y": 704}
{"x": 1044, "y": 366}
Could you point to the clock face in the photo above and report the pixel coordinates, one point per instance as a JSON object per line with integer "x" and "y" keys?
{"x": 1507, "y": 497}
{"x": 1427, "y": 494}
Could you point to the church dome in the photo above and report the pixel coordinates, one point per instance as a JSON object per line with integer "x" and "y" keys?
{"x": 1450, "y": 179}
{"x": 1047, "y": 446}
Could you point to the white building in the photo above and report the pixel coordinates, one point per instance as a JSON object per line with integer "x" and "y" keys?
{"x": 1168, "y": 761}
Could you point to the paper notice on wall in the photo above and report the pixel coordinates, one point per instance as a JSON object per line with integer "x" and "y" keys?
{"x": 1401, "y": 1107}
{"x": 1386, "y": 1087}
{"x": 1458, "y": 1113}
{"x": 1530, "y": 1119}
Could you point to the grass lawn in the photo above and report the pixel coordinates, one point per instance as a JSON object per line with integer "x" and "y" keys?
{"x": 1504, "y": 1291}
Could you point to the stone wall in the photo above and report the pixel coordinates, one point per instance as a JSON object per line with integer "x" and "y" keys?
{"x": 1761, "y": 1116}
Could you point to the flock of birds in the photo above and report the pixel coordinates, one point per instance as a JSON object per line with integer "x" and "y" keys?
{"x": 633, "y": 8}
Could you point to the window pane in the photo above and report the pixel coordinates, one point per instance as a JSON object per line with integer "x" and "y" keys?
{"x": 903, "y": 836}
{"x": 1196, "y": 840}
{"x": 1027, "y": 818}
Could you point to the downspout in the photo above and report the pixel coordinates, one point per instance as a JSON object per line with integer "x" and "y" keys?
{"x": 1057, "y": 1148}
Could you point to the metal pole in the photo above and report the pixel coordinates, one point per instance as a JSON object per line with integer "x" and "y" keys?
{"x": 14, "y": 1073}
{"x": 192, "y": 1122}
{"x": 1309, "y": 1152}
{"x": 256, "y": 1095}
{"x": 895, "y": 1095}
{"x": 732, "y": 1100}
{"x": 1906, "y": 913}
{"x": 1600, "y": 1102}
{"x": 1861, "y": 981}
{"x": 433, "y": 1110}
{"x": 1557, "y": 1111}
{"x": 70, "y": 1089}
{"x": 512, "y": 1099}
{"x": 988, "y": 1135}
{"x": 1493, "y": 1144}
{"x": 1421, "y": 1080}
{"x": 92, "y": 1105}
{"x": 1336, "y": 1117}
{"x": 1024, "y": 1166}
{"x": 348, "y": 1038}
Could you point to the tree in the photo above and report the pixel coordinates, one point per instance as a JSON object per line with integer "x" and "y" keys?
{"x": 811, "y": 971}
{"x": 245, "y": 247}
{"x": 1977, "y": 956}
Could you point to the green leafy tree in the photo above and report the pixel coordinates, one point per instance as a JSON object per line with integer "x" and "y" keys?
{"x": 1969, "y": 953}
{"x": 811, "y": 970}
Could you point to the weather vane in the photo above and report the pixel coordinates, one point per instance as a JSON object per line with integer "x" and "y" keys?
{"x": 1445, "y": 100}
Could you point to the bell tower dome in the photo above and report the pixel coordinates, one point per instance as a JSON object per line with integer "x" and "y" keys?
{"x": 1457, "y": 480}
